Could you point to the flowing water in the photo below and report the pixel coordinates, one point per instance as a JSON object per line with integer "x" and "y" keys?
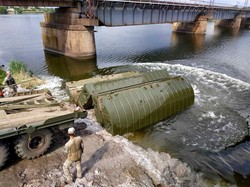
{"x": 211, "y": 136}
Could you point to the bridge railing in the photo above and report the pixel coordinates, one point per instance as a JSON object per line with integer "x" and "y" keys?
{"x": 205, "y": 4}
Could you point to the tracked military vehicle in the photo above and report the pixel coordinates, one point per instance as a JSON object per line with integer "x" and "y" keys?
{"x": 28, "y": 121}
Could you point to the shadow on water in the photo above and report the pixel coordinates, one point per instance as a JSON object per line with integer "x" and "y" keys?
{"x": 207, "y": 144}
{"x": 186, "y": 42}
{"x": 232, "y": 164}
{"x": 182, "y": 46}
{"x": 224, "y": 32}
{"x": 187, "y": 46}
{"x": 68, "y": 68}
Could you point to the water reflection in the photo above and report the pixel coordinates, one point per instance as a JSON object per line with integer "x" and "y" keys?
{"x": 182, "y": 46}
{"x": 187, "y": 41}
{"x": 68, "y": 68}
{"x": 223, "y": 31}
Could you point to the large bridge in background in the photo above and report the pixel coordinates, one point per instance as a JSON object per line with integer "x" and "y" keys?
{"x": 70, "y": 29}
{"x": 137, "y": 12}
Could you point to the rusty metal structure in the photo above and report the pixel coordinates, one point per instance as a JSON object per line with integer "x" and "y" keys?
{"x": 130, "y": 12}
{"x": 135, "y": 12}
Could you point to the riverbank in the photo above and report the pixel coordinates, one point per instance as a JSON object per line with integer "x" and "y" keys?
{"x": 24, "y": 10}
{"x": 107, "y": 161}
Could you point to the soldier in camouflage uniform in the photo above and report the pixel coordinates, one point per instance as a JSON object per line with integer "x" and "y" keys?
{"x": 74, "y": 148}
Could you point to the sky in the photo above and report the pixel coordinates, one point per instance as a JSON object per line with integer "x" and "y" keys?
{"x": 231, "y": 2}
{"x": 226, "y": 2}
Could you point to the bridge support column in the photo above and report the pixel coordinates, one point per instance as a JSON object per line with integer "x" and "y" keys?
{"x": 230, "y": 23}
{"x": 65, "y": 32}
{"x": 199, "y": 26}
{"x": 245, "y": 23}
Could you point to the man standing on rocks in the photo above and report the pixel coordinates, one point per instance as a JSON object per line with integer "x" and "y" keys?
{"x": 74, "y": 148}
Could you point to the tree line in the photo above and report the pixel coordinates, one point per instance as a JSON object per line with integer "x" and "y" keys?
{"x": 22, "y": 10}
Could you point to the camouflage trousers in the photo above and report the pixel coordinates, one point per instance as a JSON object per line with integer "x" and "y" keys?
{"x": 66, "y": 171}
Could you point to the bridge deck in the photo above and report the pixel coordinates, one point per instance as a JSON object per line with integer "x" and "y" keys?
{"x": 40, "y": 3}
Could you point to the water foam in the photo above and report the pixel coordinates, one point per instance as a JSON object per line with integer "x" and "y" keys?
{"x": 216, "y": 120}
{"x": 54, "y": 85}
{"x": 208, "y": 76}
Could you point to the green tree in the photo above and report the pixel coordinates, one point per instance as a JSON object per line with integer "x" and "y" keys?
{"x": 3, "y": 10}
{"x": 18, "y": 10}
{"x": 2, "y": 75}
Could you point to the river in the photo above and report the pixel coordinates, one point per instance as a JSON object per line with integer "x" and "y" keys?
{"x": 211, "y": 136}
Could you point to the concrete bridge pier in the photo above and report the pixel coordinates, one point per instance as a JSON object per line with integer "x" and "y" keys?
{"x": 65, "y": 32}
{"x": 199, "y": 26}
{"x": 245, "y": 23}
{"x": 230, "y": 23}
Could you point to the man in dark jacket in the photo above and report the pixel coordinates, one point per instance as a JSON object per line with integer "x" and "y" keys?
{"x": 10, "y": 81}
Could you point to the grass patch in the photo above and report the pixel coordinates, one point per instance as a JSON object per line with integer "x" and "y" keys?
{"x": 22, "y": 77}
{"x": 2, "y": 75}
{"x": 17, "y": 67}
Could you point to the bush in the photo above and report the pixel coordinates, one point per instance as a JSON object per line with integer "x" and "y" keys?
{"x": 17, "y": 67}
{"x": 18, "y": 10}
{"x": 3, "y": 10}
{"x": 23, "y": 77}
{"x": 2, "y": 76}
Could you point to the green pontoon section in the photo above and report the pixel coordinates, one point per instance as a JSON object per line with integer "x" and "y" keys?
{"x": 134, "y": 107}
{"x": 84, "y": 99}
{"x": 74, "y": 88}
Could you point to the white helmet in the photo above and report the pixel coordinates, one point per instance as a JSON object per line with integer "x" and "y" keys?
{"x": 71, "y": 130}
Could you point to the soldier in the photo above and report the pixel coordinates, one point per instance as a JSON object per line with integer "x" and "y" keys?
{"x": 10, "y": 81}
{"x": 2, "y": 67}
{"x": 74, "y": 148}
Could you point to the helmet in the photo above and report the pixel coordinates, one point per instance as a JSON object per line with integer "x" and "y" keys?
{"x": 71, "y": 130}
